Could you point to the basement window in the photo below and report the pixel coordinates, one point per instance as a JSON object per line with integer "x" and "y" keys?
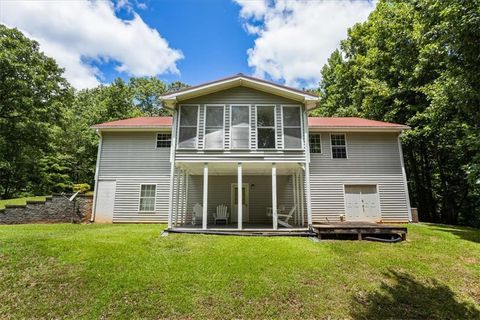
{"x": 147, "y": 197}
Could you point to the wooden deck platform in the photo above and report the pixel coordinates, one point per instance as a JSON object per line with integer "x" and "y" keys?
{"x": 358, "y": 228}
{"x": 294, "y": 232}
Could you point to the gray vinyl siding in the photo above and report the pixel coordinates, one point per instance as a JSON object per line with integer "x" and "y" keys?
{"x": 373, "y": 158}
{"x": 132, "y": 159}
{"x": 244, "y": 96}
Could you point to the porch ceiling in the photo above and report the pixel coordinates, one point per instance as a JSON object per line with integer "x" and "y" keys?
{"x": 230, "y": 168}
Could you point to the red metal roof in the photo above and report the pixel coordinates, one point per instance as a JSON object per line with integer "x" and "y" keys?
{"x": 139, "y": 122}
{"x": 318, "y": 122}
{"x": 348, "y": 122}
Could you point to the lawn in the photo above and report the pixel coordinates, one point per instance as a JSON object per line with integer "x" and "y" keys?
{"x": 19, "y": 200}
{"x": 130, "y": 271}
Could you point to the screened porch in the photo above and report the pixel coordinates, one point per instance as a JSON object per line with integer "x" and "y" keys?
{"x": 207, "y": 196}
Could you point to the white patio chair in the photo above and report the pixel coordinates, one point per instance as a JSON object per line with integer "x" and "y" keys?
{"x": 197, "y": 212}
{"x": 284, "y": 218}
{"x": 221, "y": 214}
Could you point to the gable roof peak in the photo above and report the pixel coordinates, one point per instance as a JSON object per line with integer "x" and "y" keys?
{"x": 307, "y": 98}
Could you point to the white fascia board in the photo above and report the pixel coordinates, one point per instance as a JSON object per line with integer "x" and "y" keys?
{"x": 171, "y": 99}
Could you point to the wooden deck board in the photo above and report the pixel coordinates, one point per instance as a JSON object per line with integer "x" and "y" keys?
{"x": 359, "y": 228}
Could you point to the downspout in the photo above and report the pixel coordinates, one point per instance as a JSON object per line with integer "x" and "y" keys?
{"x": 307, "y": 169}
{"x": 404, "y": 174}
{"x": 172, "y": 166}
{"x": 97, "y": 167}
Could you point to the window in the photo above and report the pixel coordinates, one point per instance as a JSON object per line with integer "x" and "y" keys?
{"x": 315, "y": 143}
{"x": 214, "y": 127}
{"x": 164, "y": 140}
{"x": 188, "y": 127}
{"x": 240, "y": 127}
{"x": 339, "y": 148}
{"x": 147, "y": 197}
{"x": 265, "y": 127}
{"x": 292, "y": 128}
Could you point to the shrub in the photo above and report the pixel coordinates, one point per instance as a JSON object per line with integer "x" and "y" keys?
{"x": 81, "y": 187}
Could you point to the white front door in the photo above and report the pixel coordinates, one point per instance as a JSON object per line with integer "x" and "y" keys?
{"x": 105, "y": 201}
{"x": 361, "y": 203}
{"x": 234, "y": 202}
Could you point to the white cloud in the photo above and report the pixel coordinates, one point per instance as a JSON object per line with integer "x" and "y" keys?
{"x": 75, "y": 31}
{"x": 296, "y": 37}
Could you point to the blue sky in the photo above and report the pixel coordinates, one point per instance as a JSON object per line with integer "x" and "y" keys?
{"x": 209, "y": 33}
{"x": 192, "y": 41}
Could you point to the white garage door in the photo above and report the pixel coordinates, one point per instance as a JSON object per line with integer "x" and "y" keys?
{"x": 105, "y": 201}
{"x": 361, "y": 203}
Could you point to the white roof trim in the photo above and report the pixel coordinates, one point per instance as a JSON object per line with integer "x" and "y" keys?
{"x": 171, "y": 99}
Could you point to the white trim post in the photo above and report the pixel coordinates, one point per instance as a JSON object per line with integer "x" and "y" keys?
{"x": 309, "y": 204}
{"x": 405, "y": 184}
{"x": 274, "y": 197}
{"x": 97, "y": 168}
{"x": 205, "y": 196}
{"x": 239, "y": 196}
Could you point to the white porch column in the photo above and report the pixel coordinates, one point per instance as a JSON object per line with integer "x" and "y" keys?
{"x": 184, "y": 192}
{"x": 184, "y": 214}
{"x": 172, "y": 194}
{"x": 274, "y": 197}
{"x": 294, "y": 184}
{"x": 301, "y": 186}
{"x": 205, "y": 196}
{"x": 177, "y": 196}
{"x": 239, "y": 196}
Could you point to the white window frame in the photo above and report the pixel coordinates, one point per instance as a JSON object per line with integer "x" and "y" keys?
{"x": 274, "y": 124}
{"x": 154, "y": 198}
{"x": 179, "y": 125}
{"x": 163, "y": 132}
{"x": 301, "y": 127}
{"x": 249, "y": 106}
{"x": 321, "y": 144}
{"x": 331, "y": 146}
{"x": 205, "y": 126}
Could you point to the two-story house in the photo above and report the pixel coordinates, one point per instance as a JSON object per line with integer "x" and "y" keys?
{"x": 248, "y": 144}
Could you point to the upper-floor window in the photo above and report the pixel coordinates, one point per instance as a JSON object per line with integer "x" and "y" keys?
{"x": 187, "y": 137}
{"x": 315, "y": 141}
{"x": 214, "y": 127}
{"x": 266, "y": 127}
{"x": 164, "y": 140}
{"x": 292, "y": 127}
{"x": 240, "y": 127}
{"x": 339, "y": 146}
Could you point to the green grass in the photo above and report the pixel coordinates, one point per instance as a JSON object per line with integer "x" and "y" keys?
{"x": 130, "y": 271}
{"x": 19, "y": 200}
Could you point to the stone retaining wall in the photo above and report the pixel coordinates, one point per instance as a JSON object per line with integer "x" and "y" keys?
{"x": 56, "y": 208}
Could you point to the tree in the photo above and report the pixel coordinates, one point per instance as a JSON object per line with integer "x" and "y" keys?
{"x": 147, "y": 95}
{"x": 33, "y": 95}
{"x": 417, "y": 62}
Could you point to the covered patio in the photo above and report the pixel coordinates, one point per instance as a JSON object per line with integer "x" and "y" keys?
{"x": 206, "y": 196}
